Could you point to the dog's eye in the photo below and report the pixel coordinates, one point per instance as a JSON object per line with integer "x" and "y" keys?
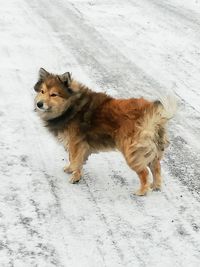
{"x": 42, "y": 91}
{"x": 53, "y": 95}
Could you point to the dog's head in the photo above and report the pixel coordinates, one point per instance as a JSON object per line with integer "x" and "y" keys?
{"x": 55, "y": 94}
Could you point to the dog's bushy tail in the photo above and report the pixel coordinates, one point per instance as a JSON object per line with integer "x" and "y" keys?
{"x": 152, "y": 137}
{"x": 168, "y": 106}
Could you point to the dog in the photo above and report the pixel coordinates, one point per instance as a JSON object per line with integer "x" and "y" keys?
{"x": 88, "y": 122}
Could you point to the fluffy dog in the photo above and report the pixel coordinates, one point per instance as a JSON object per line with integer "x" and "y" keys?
{"x": 88, "y": 122}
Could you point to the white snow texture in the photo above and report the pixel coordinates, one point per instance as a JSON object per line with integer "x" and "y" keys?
{"x": 128, "y": 49}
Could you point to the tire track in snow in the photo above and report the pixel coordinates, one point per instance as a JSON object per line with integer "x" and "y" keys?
{"x": 188, "y": 17}
{"x": 103, "y": 218}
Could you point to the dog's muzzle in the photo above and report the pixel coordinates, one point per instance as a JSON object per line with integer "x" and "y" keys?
{"x": 40, "y": 105}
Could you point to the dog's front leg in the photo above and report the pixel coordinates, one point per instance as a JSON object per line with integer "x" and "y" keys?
{"x": 78, "y": 154}
{"x": 67, "y": 168}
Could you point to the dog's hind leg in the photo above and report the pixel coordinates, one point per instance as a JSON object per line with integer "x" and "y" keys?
{"x": 137, "y": 162}
{"x": 144, "y": 183}
{"x": 156, "y": 172}
{"x": 143, "y": 174}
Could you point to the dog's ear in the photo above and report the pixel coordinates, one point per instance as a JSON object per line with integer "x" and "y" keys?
{"x": 43, "y": 74}
{"x": 37, "y": 86}
{"x": 65, "y": 78}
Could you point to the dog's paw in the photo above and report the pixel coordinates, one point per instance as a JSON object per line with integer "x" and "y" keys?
{"x": 142, "y": 192}
{"x": 155, "y": 187}
{"x": 75, "y": 178}
{"x": 67, "y": 169}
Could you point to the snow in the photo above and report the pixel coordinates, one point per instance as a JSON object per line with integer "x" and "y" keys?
{"x": 128, "y": 49}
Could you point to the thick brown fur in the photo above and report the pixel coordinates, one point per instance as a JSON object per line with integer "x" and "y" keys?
{"x": 87, "y": 122}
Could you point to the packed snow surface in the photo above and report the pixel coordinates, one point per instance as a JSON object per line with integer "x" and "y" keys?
{"x": 126, "y": 48}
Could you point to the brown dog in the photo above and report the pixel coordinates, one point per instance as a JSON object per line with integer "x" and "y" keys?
{"x": 87, "y": 122}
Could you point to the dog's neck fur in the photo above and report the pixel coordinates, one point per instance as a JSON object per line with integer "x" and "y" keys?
{"x": 58, "y": 123}
{"x": 82, "y": 110}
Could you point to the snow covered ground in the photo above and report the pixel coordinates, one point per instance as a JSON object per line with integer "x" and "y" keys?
{"x": 127, "y": 48}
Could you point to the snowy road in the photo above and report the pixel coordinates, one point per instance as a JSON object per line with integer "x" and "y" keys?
{"x": 128, "y": 49}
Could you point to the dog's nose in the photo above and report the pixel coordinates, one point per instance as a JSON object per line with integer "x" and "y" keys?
{"x": 40, "y": 104}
